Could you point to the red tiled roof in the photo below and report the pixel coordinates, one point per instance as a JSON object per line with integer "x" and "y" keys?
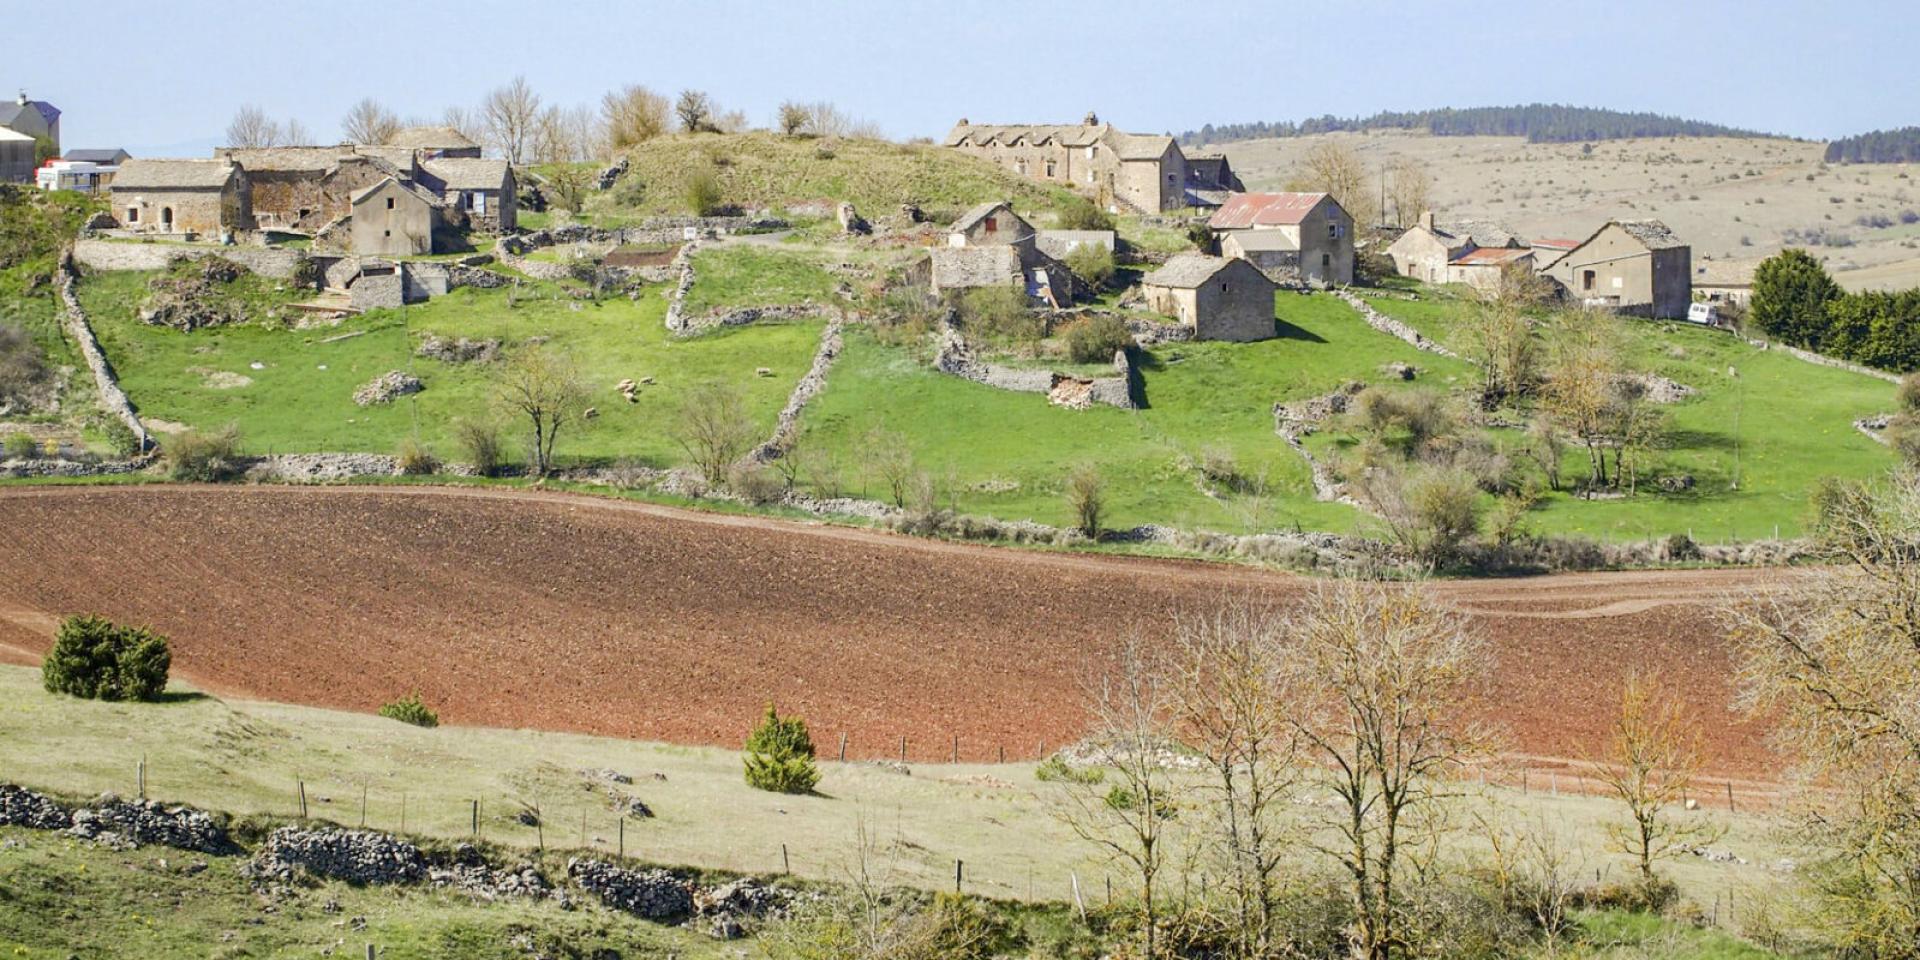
{"x": 1556, "y": 244}
{"x": 1492, "y": 255}
{"x": 1243, "y": 210}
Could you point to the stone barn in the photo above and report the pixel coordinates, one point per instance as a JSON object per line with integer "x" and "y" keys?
{"x": 181, "y": 197}
{"x": 1221, "y": 298}
{"x": 395, "y": 219}
{"x": 992, "y": 246}
{"x": 1124, "y": 171}
{"x": 482, "y": 191}
{"x": 1319, "y": 229}
{"x": 1635, "y": 267}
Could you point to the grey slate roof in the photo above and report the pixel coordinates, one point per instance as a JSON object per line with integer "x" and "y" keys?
{"x": 10, "y": 111}
{"x": 1134, "y": 146}
{"x": 1186, "y": 270}
{"x": 414, "y": 189}
{"x": 467, "y": 173}
{"x": 173, "y": 175}
{"x": 978, "y": 213}
{"x": 431, "y": 138}
{"x": 1652, "y": 233}
{"x": 1265, "y": 241}
{"x": 991, "y": 266}
{"x": 109, "y": 155}
{"x": 1067, "y": 134}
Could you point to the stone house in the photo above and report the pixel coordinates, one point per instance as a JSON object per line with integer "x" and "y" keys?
{"x": 1059, "y": 243}
{"x": 1483, "y": 268}
{"x": 483, "y": 191}
{"x": 1475, "y": 254}
{"x": 306, "y": 188}
{"x": 394, "y": 218}
{"x": 1314, "y": 239}
{"x": 37, "y": 120}
{"x": 181, "y": 197}
{"x": 1124, "y": 171}
{"x": 435, "y": 142}
{"x": 1635, "y": 267}
{"x": 1724, "y": 281}
{"x": 990, "y": 246}
{"x": 1221, "y": 298}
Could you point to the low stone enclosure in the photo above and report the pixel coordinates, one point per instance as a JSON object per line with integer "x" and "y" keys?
{"x": 955, "y": 356}
{"x": 316, "y": 850}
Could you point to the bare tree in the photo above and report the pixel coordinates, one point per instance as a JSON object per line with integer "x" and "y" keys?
{"x": 544, "y": 387}
{"x": 714, "y": 428}
{"x": 1224, "y": 673}
{"x": 1409, "y": 189}
{"x": 1833, "y": 661}
{"x": 1131, "y": 818}
{"x": 252, "y": 128}
{"x": 1649, "y": 765}
{"x": 694, "y": 109}
{"x": 732, "y": 121}
{"x": 1579, "y": 389}
{"x": 294, "y": 133}
{"x": 1537, "y": 869}
{"x": 891, "y": 458}
{"x": 793, "y": 118}
{"x": 369, "y": 122}
{"x": 633, "y": 114}
{"x": 1507, "y": 351}
{"x": 1335, "y": 168}
{"x": 511, "y": 117}
{"x": 567, "y": 135}
{"x": 463, "y": 121}
{"x": 1377, "y": 686}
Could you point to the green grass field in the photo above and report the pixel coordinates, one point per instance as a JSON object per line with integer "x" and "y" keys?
{"x": 302, "y": 400}
{"x": 246, "y": 758}
{"x": 1785, "y": 422}
{"x": 742, "y": 275}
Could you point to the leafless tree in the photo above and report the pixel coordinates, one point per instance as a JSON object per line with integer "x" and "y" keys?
{"x": 463, "y": 121}
{"x": 511, "y": 117}
{"x": 252, "y": 128}
{"x": 1507, "y": 350}
{"x": 1833, "y": 660}
{"x": 1650, "y": 764}
{"x": 1337, "y": 169}
{"x": 1536, "y": 868}
{"x": 369, "y": 122}
{"x": 1409, "y": 189}
{"x": 544, "y": 387}
{"x": 1131, "y": 817}
{"x": 633, "y": 114}
{"x": 714, "y": 428}
{"x": 732, "y": 121}
{"x": 1224, "y": 669}
{"x": 890, "y": 457}
{"x": 294, "y": 133}
{"x": 568, "y": 135}
{"x": 1377, "y": 685}
{"x": 1579, "y": 391}
{"x": 793, "y": 118}
{"x": 694, "y": 109}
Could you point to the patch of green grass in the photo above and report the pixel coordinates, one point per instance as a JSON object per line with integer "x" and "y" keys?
{"x": 1620, "y": 933}
{"x": 1007, "y": 454}
{"x": 741, "y": 275}
{"x": 301, "y": 400}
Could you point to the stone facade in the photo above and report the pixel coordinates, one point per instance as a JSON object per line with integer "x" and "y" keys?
{"x": 393, "y": 219}
{"x": 1635, "y": 267}
{"x": 1311, "y": 234}
{"x": 181, "y": 197}
{"x": 1221, "y": 298}
{"x": 1143, "y": 173}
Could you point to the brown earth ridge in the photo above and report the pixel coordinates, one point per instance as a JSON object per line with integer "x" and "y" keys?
{"x": 574, "y": 613}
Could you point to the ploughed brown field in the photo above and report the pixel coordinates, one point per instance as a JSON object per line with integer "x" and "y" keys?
{"x": 562, "y": 612}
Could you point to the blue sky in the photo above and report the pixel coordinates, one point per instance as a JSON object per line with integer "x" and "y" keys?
{"x": 157, "y": 74}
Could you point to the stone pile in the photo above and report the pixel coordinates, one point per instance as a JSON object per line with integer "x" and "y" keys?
{"x": 387, "y": 387}
{"x": 648, "y": 894}
{"x": 355, "y": 856}
{"x": 469, "y": 873}
{"x": 20, "y": 807}
{"x": 611, "y": 175}
{"x": 320, "y": 467}
{"x": 461, "y": 350}
{"x": 727, "y": 906}
{"x": 1659, "y": 389}
{"x": 133, "y": 823}
{"x": 851, "y": 222}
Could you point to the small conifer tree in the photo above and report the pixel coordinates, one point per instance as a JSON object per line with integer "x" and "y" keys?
{"x": 780, "y": 755}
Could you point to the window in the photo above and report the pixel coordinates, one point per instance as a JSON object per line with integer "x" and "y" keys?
{"x": 1020, "y": 166}
{"x": 386, "y": 233}
{"x": 992, "y": 224}
{"x": 1223, "y": 286}
{"x": 133, "y": 214}
{"x": 1326, "y": 263}
{"x": 1333, "y": 231}
{"x": 389, "y": 205}
{"x": 1051, "y": 170}
{"x": 1586, "y": 279}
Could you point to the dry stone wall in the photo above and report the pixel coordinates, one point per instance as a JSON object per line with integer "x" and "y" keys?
{"x": 955, "y": 357}
{"x": 108, "y": 255}
{"x": 112, "y": 397}
{"x": 1391, "y": 327}
{"x": 786, "y": 428}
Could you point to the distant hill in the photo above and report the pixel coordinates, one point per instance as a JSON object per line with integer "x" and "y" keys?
{"x": 1880, "y": 146}
{"x": 1538, "y": 122}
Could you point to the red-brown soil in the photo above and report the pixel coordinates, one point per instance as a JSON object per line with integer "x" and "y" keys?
{"x": 573, "y": 613}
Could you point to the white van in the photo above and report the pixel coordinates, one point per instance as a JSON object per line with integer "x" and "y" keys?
{"x": 1703, "y": 313}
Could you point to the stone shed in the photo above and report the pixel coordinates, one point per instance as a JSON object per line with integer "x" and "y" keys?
{"x": 481, "y": 190}
{"x": 395, "y": 219}
{"x": 1635, "y": 267}
{"x": 1221, "y": 298}
{"x": 176, "y": 197}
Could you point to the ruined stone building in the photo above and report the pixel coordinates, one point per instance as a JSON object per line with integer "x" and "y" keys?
{"x": 1287, "y": 236}
{"x": 991, "y": 246}
{"x": 178, "y": 197}
{"x": 1635, "y": 267}
{"x": 1120, "y": 170}
{"x": 1221, "y": 298}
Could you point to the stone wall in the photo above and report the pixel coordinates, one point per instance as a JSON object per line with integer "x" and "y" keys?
{"x": 1825, "y": 361}
{"x": 107, "y": 255}
{"x": 955, "y": 356}
{"x": 1391, "y": 327}
{"x": 786, "y": 428}
{"x": 112, "y": 398}
{"x": 676, "y": 305}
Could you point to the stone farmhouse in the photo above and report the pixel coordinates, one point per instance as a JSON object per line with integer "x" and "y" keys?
{"x": 1473, "y": 254}
{"x": 992, "y": 246}
{"x": 24, "y": 125}
{"x": 396, "y": 218}
{"x": 1288, "y": 236}
{"x": 1221, "y": 298}
{"x": 1123, "y": 171}
{"x": 1635, "y": 267}
{"x": 182, "y": 197}
{"x": 1724, "y": 281}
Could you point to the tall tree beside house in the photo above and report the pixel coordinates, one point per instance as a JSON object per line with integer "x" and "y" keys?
{"x": 511, "y": 115}
{"x": 369, "y": 122}
{"x": 1791, "y": 291}
{"x": 252, "y": 128}
{"x": 1336, "y": 169}
{"x": 1409, "y": 189}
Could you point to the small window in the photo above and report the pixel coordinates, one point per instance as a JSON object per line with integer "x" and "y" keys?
{"x": 389, "y": 204}
{"x": 1051, "y": 170}
{"x": 1586, "y": 279}
{"x": 1326, "y": 262}
{"x": 1223, "y": 286}
{"x": 992, "y": 224}
{"x": 133, "y": 214}
{"x": 386, "y": 233}
{"x": 1333, "y": 231}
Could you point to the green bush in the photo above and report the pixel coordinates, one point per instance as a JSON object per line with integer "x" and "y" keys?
{"x": 780, "y": 755}
{"x": 415, "y": 459}
{"x": 205, "y": 457}
{"x": 1083, "y": 215}
{"x": 119, "y": 436}
{"x": 480, "y": 439}
{"x": 1055, "y": 770}
{"x": 1000, "y": 312}
{"x": 96, "y": 659}
{"x": 411, "y": 709}
{"x": 702, "y": 192}
{"x": 1092, "y": 263}
{"x": 20, "y": 446}
{"x": 1097, "y": 339}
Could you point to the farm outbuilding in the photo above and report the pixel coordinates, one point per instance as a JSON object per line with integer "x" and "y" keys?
{"x": 1221, "y": 298}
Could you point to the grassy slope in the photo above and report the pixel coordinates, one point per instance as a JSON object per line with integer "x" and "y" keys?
{"x": 245, "y": 757}
{"x": 295, "y": 406}
{"x": 764, "y": 170}
{"x": 1200, "y": 396}
{"x": 1795, "y": 427}
{"x": 754, "y": 275}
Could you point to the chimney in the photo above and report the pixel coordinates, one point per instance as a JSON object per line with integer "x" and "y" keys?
{"x": 22, "y": 101}
{"x": 1092, "y": 119}
{"x": 963, "y": 121}
{"x": 1426, "y": 221}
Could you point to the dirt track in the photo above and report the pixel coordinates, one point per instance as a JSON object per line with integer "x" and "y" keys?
{"x": 573, "y": 613}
